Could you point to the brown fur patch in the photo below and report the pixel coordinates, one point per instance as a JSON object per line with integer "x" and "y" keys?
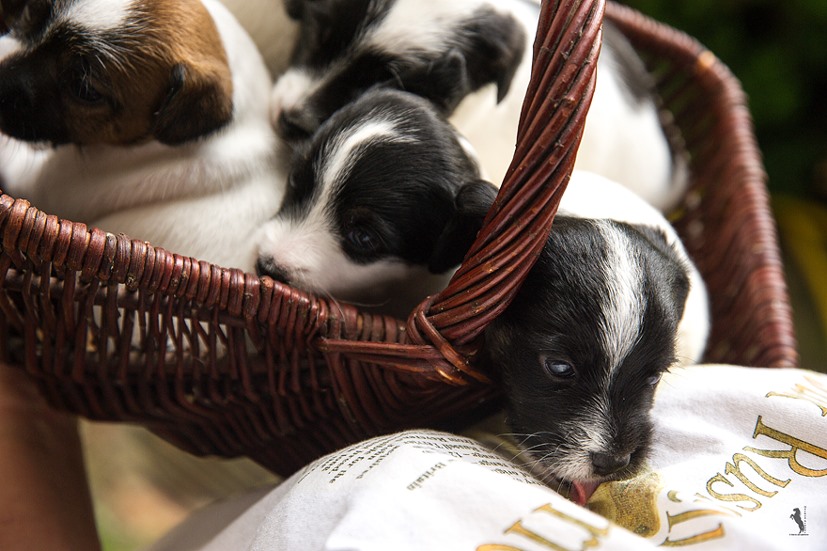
{"x": 139, "y": 70}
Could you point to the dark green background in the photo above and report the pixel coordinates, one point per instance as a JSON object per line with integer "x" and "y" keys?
{"x": 778, "y": 49}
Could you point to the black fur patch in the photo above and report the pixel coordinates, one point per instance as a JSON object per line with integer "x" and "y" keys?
{"x": 34, "y": 85}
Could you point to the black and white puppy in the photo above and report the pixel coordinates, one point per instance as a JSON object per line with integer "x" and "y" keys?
{"x": 612, "y": 303}
{"x": 384, "y": 201}
{"x": 151, "y": 120}
{"x": 439, "y": 50}
{"x": 371, "y": 210}
{"x": 472, "y": 58}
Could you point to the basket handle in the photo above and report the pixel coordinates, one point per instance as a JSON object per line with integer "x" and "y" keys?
{"x": 444, "y": 329}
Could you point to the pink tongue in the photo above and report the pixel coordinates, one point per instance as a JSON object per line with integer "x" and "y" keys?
{"x": 581, "y": 491}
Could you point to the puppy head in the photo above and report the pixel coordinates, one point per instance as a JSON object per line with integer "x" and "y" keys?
{"x": 113, "y": 72}
{"x": 376, "y": 201}
{"x": 583, "y": 345}
{"x": 439, "y": 50}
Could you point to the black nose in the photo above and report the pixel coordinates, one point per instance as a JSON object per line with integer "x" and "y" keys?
{"x": 266, "y": 266}
{"x": 607, "y": 463}
{"x": 293, "y": 125}
{"x": 16, "y": 105}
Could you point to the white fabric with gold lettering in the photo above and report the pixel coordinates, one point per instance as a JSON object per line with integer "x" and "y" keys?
{"x": 412, "y": 491}
{"x": 739, "y": 461}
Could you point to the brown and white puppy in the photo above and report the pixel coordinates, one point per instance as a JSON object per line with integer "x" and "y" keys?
{"x": 155, "y": 118}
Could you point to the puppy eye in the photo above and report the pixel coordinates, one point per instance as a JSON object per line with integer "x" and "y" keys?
{"x": 558, "y": 369}
{"x": 81, "y": 86}
{"x": 363, "y": 240}
{"x": 654, "y": 379}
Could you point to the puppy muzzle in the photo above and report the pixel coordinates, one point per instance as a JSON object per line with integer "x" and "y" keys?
{"x": 294, "y": 125}
{"x": 268, "y": 267}
{"x": 29, "y": 109}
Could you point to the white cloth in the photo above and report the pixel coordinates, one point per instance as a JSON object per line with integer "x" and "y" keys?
{"x": 736, "y": 452}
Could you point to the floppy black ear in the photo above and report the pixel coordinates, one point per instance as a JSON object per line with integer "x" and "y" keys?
{"x": 471, "y": 205}
{"x": 444, "y": 81}
{"x": 494, "y": 50}
{"x": 198, "y": 103}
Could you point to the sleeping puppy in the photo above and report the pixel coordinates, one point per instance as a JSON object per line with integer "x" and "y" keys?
{"x": 472, "y": 59}
{"x": 370, "y": 215}
{"x": 611, "y": 304}
{"x": 155, "y": 118}
{"x": 439, "y": 50}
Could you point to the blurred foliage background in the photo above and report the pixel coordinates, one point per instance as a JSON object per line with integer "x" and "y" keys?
{"x": 778, "y": 49}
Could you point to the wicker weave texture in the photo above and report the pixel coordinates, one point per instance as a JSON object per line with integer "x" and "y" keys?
{"x": 226, "y": 363}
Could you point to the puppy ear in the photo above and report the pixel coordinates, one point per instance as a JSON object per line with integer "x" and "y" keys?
{"x": 198, "y": 103}
{"x": 494, "y": 50}
{"x": 471, "y": 205}
{"x": 444, "y": 82}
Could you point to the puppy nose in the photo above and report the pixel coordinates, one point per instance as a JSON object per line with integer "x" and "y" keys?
{"x": 268, "y": 267}
{"x": 608, "y": 463}
{"x": 292, "y": 125}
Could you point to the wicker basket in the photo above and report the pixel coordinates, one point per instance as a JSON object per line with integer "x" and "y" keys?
{"x": 323, "y": 375}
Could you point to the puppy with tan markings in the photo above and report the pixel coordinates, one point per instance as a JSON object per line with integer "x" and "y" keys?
{"x": 472, "y": 59}
{"x": 155, "y": 118}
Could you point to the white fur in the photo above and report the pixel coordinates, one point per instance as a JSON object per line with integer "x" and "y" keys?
{"x": 290, "y": 91}
{"x": 420, "y": 24}
{"x": 623, "y": 312}
{"x": 98, "y": 15}
{"x": 203, "y": 199}
{"x": 592, "y": 196}
{"x": 620, "y": 141}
